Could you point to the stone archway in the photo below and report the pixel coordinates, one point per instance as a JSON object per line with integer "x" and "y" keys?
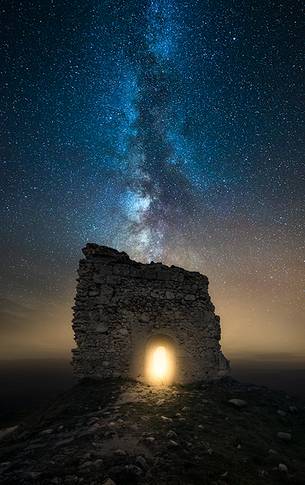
{"x": 160, "y": 360}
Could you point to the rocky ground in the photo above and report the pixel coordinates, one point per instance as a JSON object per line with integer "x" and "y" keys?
{"x": 115, "y": 432}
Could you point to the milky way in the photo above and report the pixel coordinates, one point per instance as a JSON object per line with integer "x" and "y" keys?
{"x": 157, "y": 185}
{"x": 172, "y": 130}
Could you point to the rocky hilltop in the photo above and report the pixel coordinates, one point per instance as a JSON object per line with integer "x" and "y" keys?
{"x": 118, "y": 432}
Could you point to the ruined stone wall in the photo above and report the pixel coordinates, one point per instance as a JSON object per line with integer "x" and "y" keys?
{"x": 120, "y": 304}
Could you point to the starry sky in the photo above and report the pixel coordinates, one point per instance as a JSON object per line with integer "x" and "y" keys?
{"x": 170, "y": 129}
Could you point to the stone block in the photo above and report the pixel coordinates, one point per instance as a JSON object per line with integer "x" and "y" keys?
{"x": 113, "y": 280}
{"x": 121, "y": 269}
{"x": 106, "y": 293}
{"x": 100, "y": 278}
{"x": 101, "y": 327}
{"x": 150, "y": 274}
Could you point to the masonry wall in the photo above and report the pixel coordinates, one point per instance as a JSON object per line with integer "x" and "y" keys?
{"x": 121, "y": 304}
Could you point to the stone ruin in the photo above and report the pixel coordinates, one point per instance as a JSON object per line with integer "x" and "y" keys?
{"x": 123, "y": 306}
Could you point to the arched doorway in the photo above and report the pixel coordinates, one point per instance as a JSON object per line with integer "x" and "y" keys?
{"x": 160, "y": 361}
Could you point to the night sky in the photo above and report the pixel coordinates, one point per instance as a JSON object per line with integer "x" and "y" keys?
{"x": 170, "y": 129}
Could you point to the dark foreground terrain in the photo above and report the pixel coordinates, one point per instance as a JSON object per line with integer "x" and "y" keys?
{"x": 115, "y": 432}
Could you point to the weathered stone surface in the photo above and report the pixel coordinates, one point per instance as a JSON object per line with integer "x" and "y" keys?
{"x": 121, "y": 304}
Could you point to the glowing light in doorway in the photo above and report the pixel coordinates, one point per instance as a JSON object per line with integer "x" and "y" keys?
{"x": 160, "y": 363}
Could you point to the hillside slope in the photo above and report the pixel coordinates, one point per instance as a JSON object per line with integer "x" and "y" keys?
{"x": 126, "y": 433}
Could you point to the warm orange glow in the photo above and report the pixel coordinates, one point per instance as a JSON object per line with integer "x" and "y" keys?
{"x": 159, "y": 364}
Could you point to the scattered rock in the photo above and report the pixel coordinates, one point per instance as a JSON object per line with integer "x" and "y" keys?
{"x": 46, "y": 431}
{"x": 120, "y": 452}
{"x": 87, "y": 456}
{"x": 281, "y": 413}
{"x": 55, "y": 481}
{"x": 86, "y": 464}
{"x": 134, "y": 470}
{"x": 238, "y": 403}
{"x": 88, "y": 431}
{"x": 33, "y": 475}
{"x": 173, "y": 444}
{"x": 7, "y": 431}
{"x": 140, "y": 460}
{"x": 63, "y": 442}
{"x": 36, "y": 446}
{"x": 262, "y": 473}
{"x": 166, "y": 419}
{"x": 284, "y": 436}
{"x": 172, "y": 434}
{"x": 283, "y": 468}
{"x": 150, "y": 439}
{"x": 71, "y": 479}
{"x": 108, "y": 481}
